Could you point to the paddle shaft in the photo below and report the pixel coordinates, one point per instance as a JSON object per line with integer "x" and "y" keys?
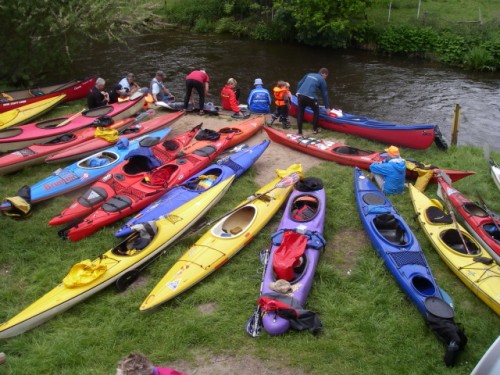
{"x": 68, "y": 120}
{"x": 453, "y": 217}
{"x": 254, "y": 322}
{"x": 488, "y": 211}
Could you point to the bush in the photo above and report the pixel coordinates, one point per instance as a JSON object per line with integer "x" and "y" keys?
{"x": 478, "y": 58}
{"x": 408, "y": 40}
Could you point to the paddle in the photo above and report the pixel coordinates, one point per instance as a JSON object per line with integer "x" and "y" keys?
{"x": 289, "y": 180}
{"x": 440, "y": 193}
{"x": 68, "y": 120}
{"x": 254, "y": 324}
{"x": 490, "y": 213}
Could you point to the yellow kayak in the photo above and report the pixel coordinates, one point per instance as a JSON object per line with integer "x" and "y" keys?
{"x": 224, "y": 239}
{"x": 120, "y": 264}
{"x": 25, "y": 113}
{"x": 469, "y": 261}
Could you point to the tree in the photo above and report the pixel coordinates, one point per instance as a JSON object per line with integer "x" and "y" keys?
{"x": 43, "y": 35}
{"x": 325, "y": 23}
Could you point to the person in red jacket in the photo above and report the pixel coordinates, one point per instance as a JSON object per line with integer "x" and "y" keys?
{"x": 199, "y": 80}
{"x": 229, "y": 99}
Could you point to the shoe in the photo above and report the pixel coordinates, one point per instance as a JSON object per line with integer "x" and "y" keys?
{"x": 300, "y": 134}
{"x": 317, "y": 131}
{"x": 202, "y": 112}
{"x": 237, "y": 115}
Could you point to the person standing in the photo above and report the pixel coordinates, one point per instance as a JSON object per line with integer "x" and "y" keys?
{"x": 259, "y": 99}
{"x": 229, "y": 98}
{"x": 307, "y": 91}
{"x": 129, "y": 84}
{"x": 282, "y": 96}
{"x": 389, "y": 174}
{"x": 97, "y": 97}
{"x": 199, "y": 80}
{"x": 158, "y": 90}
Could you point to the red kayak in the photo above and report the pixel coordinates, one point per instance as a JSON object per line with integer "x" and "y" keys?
{"x": 91, "y": 146}
{"x": 75, "y": 89}
{"x": 418, "y": 136}
{"x": 39, "y": 132}
{"x": 134, "y": 195}
{"x": 479, "y": 221}
{"x": 343, "y": 154}
{"x": 36, "y": 154}
{"x": 240, "y": 131}
{"x": 134, "y": 169}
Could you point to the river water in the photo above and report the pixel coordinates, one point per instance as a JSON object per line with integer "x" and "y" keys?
{"x": 387, "y": 89}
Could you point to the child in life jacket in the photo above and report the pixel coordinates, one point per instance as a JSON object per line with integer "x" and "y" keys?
{"x": 282, "y": 97}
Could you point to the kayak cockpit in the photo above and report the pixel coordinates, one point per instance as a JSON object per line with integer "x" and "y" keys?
{"x": 235, "y": 224}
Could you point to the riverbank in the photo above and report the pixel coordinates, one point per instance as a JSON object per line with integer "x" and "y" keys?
{"x": 453, "y": 33}
{"x": 370, "y": 327}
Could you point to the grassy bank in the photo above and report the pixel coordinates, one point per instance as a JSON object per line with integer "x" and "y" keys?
{"x": 369, "y": 325}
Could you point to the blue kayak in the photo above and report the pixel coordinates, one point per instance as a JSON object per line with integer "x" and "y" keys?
{"x": 235, "y": 164}
{"x": 404, "y": 258}
{"x": 84, "y": 171}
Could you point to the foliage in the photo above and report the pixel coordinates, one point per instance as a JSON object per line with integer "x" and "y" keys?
{"x": 479, "y": 58}
{"x": 407, "y": 40}
{"x": 321, "y": 22}
{"x": 40, "y": 35}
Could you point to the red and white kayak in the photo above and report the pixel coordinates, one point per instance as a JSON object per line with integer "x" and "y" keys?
{"x": 37, "y": 153}
{"x": 133, "y": 169}
{"x": 135, "y": 195}
{"x": 75, "y": 89}
{"x": 39, "y": 132}
{"x": 91, "y": 146}
{"x": 344, "y": 154}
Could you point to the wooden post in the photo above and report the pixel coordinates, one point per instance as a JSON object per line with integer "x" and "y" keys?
{"x": 418, "y": 9}
{"x": 389, "y": 15}
{"x": 456, "y": 123}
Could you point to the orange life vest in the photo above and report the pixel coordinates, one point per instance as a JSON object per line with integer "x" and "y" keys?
{"x": 279, "y": 93}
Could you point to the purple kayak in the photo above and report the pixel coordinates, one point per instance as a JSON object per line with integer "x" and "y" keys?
{"x": 290, "y": 263}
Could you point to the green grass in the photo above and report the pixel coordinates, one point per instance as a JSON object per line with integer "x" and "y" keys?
{"x": 438, "y": 12}
{"x": 369, "y": 325}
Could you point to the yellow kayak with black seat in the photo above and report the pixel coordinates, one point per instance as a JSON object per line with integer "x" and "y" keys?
{"x": 458, "y": 249}
{"x": 225, "y": 239}
{"x": 120, "y": 264}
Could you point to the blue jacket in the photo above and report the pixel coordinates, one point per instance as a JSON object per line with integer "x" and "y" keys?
{"x": 309, "y": 86}
{"x": 259, "y": 100}
{"x": 393, "y": 171}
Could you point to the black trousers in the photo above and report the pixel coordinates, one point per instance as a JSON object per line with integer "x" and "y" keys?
{"x": 305, "y": 101}
{"x": 199, "y": 87}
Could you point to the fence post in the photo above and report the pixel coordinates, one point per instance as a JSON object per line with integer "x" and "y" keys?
{"x": 456, "y": 123}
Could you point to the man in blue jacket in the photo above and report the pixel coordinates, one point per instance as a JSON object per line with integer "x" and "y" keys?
{"x": 259, "y": 99}
{"x": 389, "y": 174}
{"x": 307, "y": 90}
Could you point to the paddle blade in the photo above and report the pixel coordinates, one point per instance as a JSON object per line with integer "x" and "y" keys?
{"x": 289, "y": 180}
{"x": 445, "y": 177}
{"x": 253, "y": 327}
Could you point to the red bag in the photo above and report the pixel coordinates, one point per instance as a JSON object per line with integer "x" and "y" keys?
{"x": 286, "y": 257}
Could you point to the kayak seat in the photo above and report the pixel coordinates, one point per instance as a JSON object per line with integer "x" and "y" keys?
{"x": 117, "y": 203}
{"x": 149, "y": 141}
{"x": 452, "y": 238}
{"x": 93, "y": 196}
{"x": 304, "y": 208}
{"x": 390, "y": 229}
{"x": 373, "y": 199}
{"x": 493, "y": 231}
{"x": 437, "y": 216}
{"x": 137, "y": 164}
{"x": 475, "y": 210}
{"x": 205, "y": 151}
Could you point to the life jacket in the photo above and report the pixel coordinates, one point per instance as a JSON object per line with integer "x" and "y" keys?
{"x": 278, "y": 93}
